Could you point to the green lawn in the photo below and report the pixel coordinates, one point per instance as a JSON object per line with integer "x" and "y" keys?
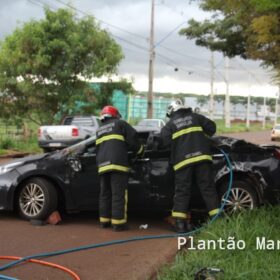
{"x": 12, "y": 138}
{"x": 9, "y": 145}
{"x": 241, "y": 127}
{"x": 248, "y": 264}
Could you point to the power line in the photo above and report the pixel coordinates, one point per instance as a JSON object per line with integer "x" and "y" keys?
{"x": 128, "y": 32}
{"x": 164, "y": 58}
{"x": 140, "y": 47}
{"x": 187, "y": 71}
{"x": 131, "y": 43}
{"x": 168, "y": 34}
{"x": 181, "y": 54}
{"x": 80, "y": 11}
{"x": 37, "y": 3}
{"x": 249, "y": 72}
{"x": 102, "y": 21}
{"x": 127, "y": 41}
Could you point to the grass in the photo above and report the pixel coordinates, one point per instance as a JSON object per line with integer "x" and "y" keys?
{"x": 241, "y": 126}
{"x": 249, "y": 264}
{"x": 12, "y": 138}
{"x": 9, "y": 145}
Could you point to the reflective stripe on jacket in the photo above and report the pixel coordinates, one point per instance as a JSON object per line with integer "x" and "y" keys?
{"x": 113, "y": 139}
{"x": 188, "y": 135}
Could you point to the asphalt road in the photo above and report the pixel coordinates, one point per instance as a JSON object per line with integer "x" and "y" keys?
{"x": 138, "y": 260}
{"x": 260, "y": 137}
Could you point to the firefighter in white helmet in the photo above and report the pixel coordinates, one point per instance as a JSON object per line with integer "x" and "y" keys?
{"x": 188, "y": 135}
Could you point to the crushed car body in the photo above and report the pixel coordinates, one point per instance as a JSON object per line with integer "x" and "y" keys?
{"x": 39, "y": 184}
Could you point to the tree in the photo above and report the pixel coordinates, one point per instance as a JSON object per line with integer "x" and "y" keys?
{"x": 44, "y": 64}
{"x": 246, "y": 28}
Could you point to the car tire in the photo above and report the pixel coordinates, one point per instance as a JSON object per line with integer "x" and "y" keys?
{"x": 241, "y": 197}
{"x": 47, "y": 150}
{"x": 37, "y": 199}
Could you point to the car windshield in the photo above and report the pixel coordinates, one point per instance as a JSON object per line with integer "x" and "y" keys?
{"x": 150, "y": 123}
{"x": 277, "y": 127}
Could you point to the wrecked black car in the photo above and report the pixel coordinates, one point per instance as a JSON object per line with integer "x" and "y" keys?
{"x": 37, "y": 185}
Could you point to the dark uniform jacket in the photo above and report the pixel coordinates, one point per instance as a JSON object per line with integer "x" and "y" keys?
{"x": 113, "y": 139}
{"x": 188, "y": 134}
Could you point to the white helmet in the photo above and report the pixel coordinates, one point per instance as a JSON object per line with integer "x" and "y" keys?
{"x": 174, "y": 106}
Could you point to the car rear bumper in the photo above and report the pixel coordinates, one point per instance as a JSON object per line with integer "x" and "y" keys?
{"x": 57, "y": 144}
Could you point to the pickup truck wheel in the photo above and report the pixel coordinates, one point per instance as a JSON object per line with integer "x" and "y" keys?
{"x": 241, "y": 197}
{"x": 37, "y": 199}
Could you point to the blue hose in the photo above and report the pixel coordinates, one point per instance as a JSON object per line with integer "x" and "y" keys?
{"x": 121, "y": 241}
{"x": 6, "y": 277}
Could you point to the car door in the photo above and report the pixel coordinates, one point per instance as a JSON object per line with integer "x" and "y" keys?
{"x": 151, "y": 181}
{"x": 139, "y": 184}
{"x": 84, "y": 181}
{"x": 161, "y": 180}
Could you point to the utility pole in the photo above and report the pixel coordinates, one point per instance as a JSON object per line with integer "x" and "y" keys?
{"x": 248, "y": 102}
{"x": 276, "y": 105}
{"x": 211, "y": 104}
{"x": 227, "y": 97}
{"x": 264, "y": 112}
{"x": 151, "y": 64}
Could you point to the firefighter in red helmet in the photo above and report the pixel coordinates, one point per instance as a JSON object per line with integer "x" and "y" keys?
{"x": 114, "y": 138}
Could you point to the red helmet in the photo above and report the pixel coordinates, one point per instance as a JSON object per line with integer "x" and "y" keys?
{"x": 110, "y": 112}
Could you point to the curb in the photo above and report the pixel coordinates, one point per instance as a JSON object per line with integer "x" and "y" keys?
{"x": 14, "y": 155}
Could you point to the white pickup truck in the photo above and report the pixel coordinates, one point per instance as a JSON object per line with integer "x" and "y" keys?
{"x": 73, "y": 130}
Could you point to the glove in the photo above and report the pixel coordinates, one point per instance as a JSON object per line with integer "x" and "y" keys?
{"x": 140, "y": 152}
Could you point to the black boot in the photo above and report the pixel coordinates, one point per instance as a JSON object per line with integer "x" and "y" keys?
{"x": 105, "y": 225}
{"x": 180, "y": 226}
{"x": 121, "y": 227}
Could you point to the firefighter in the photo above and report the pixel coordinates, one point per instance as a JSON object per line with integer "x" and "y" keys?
{"x": 188, "y": 134}
{"x": 113, "y": 139}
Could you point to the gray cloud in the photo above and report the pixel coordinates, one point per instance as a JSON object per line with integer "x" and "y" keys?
{"x": 134, "y": 17}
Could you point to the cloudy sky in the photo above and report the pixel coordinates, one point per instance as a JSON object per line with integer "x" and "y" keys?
{"x": 128, "y": 21}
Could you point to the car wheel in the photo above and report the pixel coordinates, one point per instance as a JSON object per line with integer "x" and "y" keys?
{"x": 37, "y": 199}
{"x": 47, "y": 150}
{"x": 241, "y": 197}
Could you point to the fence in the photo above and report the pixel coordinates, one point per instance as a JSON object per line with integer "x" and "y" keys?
{"x": 134, "y": 108}
{"x": 15, "y": 137}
